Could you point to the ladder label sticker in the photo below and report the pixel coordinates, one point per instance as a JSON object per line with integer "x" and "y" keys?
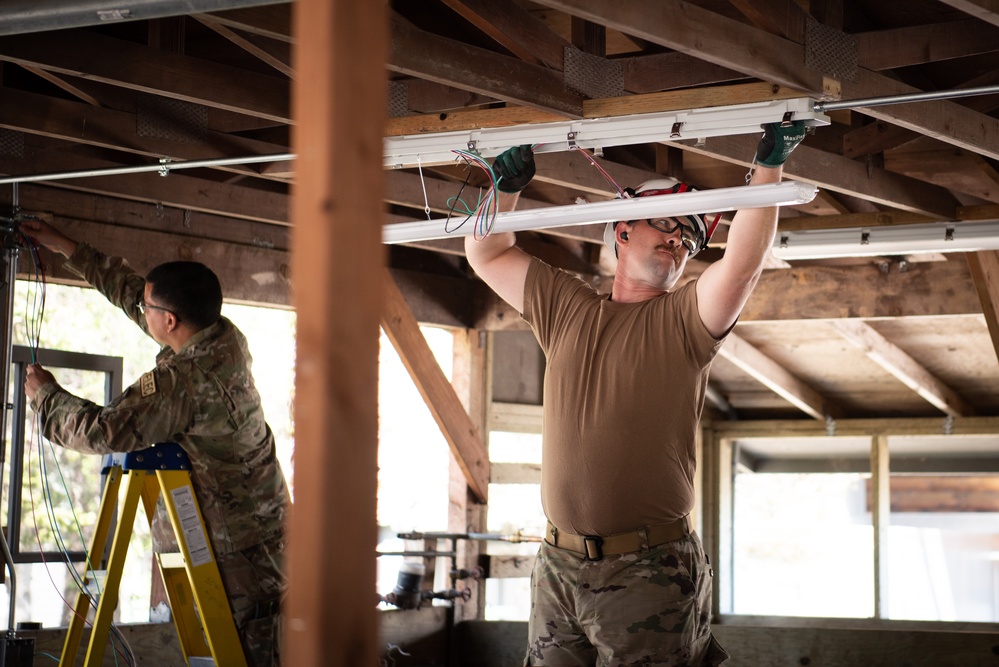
{"x": 194, "y": 531}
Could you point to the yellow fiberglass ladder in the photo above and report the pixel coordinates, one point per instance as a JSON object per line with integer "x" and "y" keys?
{"x": 198, "y": 603}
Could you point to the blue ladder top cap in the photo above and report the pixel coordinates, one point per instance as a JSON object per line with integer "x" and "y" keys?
{"x": 161, "y": 456}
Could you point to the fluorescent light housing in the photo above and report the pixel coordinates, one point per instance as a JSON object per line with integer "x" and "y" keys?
{"x": 930, "y": 237}
{"x": 436, "y": 148}
{"x": 659, "y": 206}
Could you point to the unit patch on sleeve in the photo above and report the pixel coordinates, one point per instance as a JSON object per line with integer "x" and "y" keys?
{"x": 147, "y": 384}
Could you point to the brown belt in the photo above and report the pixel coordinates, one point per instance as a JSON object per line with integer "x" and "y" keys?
{"x": 595, "y": 547}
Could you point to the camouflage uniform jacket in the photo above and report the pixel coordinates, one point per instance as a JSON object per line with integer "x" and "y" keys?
{"x": 202, "y": 397}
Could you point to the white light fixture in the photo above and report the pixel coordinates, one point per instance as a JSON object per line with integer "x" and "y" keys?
{"x": 598, "y": 133}
{"x": 660, "y": 206}
{"x": 933, "y": 237}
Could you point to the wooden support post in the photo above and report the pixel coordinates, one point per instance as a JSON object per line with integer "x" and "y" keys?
{"x": 465, "y": 514}
{"x": 880, "y": 508}
{"x": 337, "y": 267}
{"x": 717, "y": 480}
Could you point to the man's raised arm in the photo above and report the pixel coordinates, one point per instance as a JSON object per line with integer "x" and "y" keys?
{"x": 496, "y": 258}
{"x": 725, "y": 286}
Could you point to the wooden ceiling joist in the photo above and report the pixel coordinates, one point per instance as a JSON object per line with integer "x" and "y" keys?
{"x": 985, "y": 10}
{"x": 984, "y": 268}
{"x": 516, "y": 29}
{"x": 831, "y": 292}
{"x": 708, "y": 36}
{"x": 466, "y": 444}
{"x": 839, "y": 174}
{"x": 109, "y": 128}
{"x": 274, "y": 53}
{"x": 901, "y": 365}
{"x": 136, "y": 67}
{"x": 418, "y": 53}
{"x": 776, "y": 378}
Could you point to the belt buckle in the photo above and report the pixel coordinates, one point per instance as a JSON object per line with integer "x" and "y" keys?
{"x": 592, "y": 545}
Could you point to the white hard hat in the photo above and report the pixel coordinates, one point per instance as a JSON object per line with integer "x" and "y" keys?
{"x": 663, "y": 186}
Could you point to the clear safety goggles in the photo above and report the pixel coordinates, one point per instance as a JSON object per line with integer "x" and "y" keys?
{"x": 689, "y": 237}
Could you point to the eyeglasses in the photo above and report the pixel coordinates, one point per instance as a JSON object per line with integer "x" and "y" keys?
{"x": 689, "y": 238}
{"x": 143, "y": 306}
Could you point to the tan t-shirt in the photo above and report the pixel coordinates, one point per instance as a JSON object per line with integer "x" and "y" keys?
{"x": 623, "y": 393}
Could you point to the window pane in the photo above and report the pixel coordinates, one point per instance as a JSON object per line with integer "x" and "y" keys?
{"x": 803, "y": 545}
{"x": 943, "y": 566}
{"x": 413, "y": 461}
{"x": 513, "y": 509}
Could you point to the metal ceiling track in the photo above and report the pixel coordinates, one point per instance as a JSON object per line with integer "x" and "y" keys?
{"x": 599, "y": 133}
{"x": 593, "y": 133}
{"x": 27, "y": 16}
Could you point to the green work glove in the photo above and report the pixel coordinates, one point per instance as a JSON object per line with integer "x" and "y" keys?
{"x": 515, "y": 167}
{"x": 778, "y": 141}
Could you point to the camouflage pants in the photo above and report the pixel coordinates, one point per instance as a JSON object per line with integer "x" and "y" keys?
{"x": 643, "y": 608}
{"x": 254, "y": 583}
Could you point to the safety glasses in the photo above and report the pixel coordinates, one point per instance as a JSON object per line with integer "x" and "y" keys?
{"x": 689, "y": 237}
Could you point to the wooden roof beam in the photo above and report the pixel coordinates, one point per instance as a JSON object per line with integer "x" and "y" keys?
{"x": 179, "y": 189}
{"x": 901, "y": 365}
{"x": 466, "y": 444}
{"x": 419, "y": 53}
{"x": 783, "y": 18}
{"x": 273, "y": 21}
{"x": 840, "y": 174}
{"x": 277, "y": 54}
{"x": 67, "y": 120}
{"x": 985, "y": 10}
{"x": 835, "y": 292}
{"x": 667, "y": 71}
{"x": 984, "y": 268}
{"x": 519, "y": 31}
{"x": 776, "y": 378}
{"x": 136, "y": 67}
{"x": 947, "y": 121}
{"x": 687, "y": 28}
{"x": 916, "y": 45}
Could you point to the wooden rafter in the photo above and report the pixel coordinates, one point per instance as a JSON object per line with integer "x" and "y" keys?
{"x": 841, "y": 175}
{"x": 418, "y": 53}
{"x": 178, "y": 189}
{"x": 820, "y": 292}
{"x": 773, "y": 59}
{"x": 110, "y": 128}
{"x": 875, "y": 137}
{"x": 986, "y": 10}
{"x": 516, "y": 29}
{"x": 456, "y": 426}
{"x": 277, "y": 54}
{"x": 985, "y": 273}
{"x": 915, "y": 45}
{"x": 950, "y": 167}
{"x": 137, "y": 67}
{"x": 901, "y": 365}
{"x": 783, "y": 18}
{"x": 776, "y": 378}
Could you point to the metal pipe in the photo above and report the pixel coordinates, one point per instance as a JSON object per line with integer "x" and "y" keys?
{"x": 901, "y": 99}
{"x": 26, "y": 16}
{"x": 11, "y": 253}
{"x": 164, "y": 168}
